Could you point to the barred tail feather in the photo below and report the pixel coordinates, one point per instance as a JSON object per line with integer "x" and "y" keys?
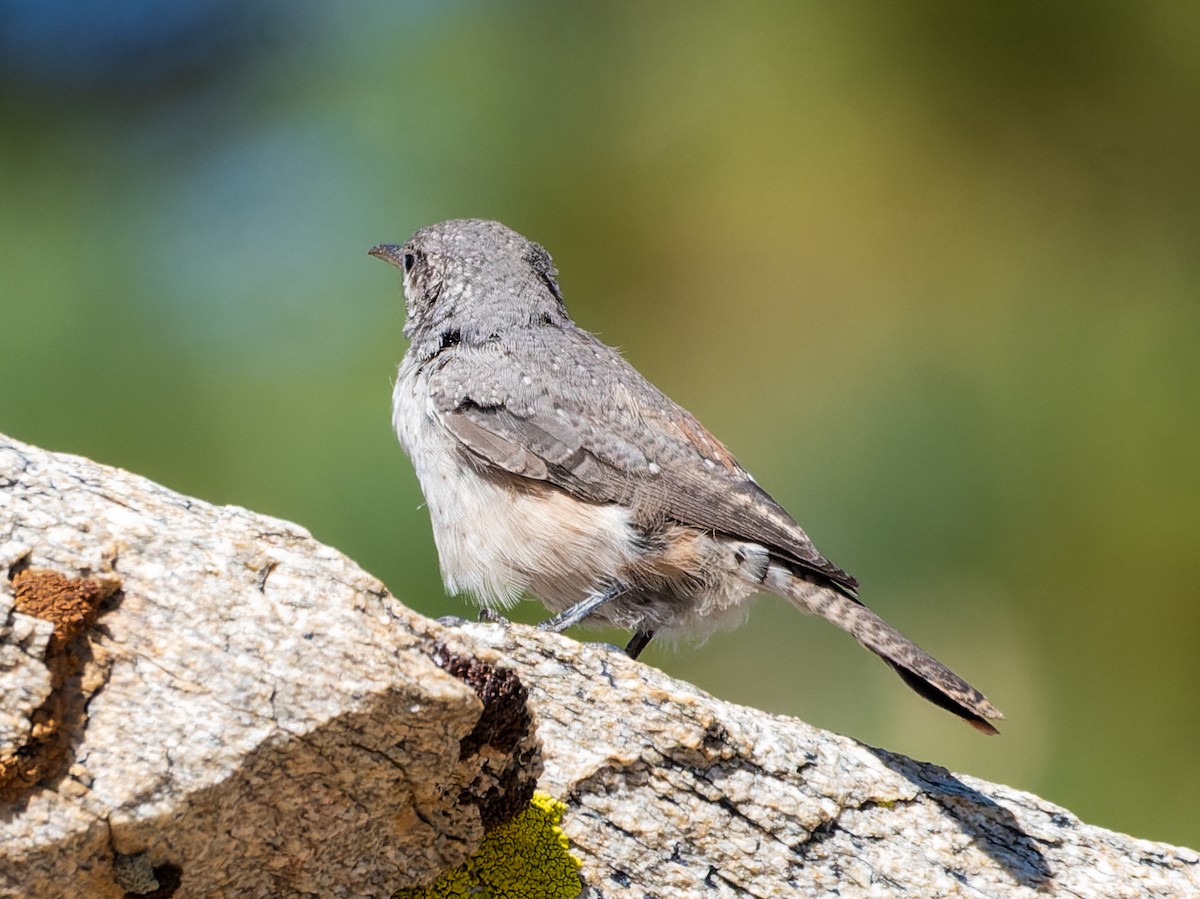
{"x": 921, "y": 671}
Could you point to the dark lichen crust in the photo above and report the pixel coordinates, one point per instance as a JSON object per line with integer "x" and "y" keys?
{"x": 504, "y": 739}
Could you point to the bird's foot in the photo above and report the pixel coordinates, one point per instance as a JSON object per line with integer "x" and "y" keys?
{"x": 640, "y": 640}
{"x": 574, "y": 614}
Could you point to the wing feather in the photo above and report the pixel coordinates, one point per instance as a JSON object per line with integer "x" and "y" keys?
{"x": 638, "y": 448}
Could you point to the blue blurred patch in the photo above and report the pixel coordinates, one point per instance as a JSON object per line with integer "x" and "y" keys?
{"x": 84, "y": 45}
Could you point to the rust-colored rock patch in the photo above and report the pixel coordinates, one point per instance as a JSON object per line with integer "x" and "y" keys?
{"x": 72, "y": 605}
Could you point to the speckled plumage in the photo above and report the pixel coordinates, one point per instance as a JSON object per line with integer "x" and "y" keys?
{"x": 550, "y": 466}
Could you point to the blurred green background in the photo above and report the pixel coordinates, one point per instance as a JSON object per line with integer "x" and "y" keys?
{"x": 931, "y": 271}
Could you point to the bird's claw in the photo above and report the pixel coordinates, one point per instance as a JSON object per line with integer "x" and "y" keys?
{"x": 491, "y": 616}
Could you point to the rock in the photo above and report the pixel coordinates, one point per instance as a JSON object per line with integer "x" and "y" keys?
{"x": 247, "y": 706}
{"x": 200, "y": 701}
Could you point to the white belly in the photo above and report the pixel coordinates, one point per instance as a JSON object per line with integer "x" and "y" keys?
{"x": 496, "y": 542}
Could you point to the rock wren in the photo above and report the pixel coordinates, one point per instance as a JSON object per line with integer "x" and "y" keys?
{"x": 551, "y": 467}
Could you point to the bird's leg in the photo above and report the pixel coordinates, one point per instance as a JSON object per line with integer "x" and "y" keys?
{"x": 576, "y": 613}
{"x": 640, "y": 640}
{"x": 491, "y": 616}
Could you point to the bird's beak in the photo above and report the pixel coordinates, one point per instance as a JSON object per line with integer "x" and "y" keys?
{"x": 388, "y": 252}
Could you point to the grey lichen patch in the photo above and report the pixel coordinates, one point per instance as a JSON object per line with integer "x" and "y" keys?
{"x": 504, "y": 742}
{"x": 140, "y": 878}
{"x": 72, "y": 605}
{"x": 134, "y": 873}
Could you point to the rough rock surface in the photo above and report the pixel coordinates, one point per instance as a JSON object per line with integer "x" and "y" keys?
{"x": 248, "y": 712}
{"x": 240, "y": 711}
{"x": 671, "y": 793}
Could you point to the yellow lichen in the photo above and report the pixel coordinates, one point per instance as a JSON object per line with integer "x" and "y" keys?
{"x": 527, "y": 858}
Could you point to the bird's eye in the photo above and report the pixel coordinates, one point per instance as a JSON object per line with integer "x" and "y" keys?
{"x": 410, "y": 260}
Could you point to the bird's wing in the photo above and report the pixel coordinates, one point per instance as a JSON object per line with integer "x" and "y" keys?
{"x": 567, "y": 410}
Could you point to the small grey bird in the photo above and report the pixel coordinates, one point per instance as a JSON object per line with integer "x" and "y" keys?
{"x": 551, "y": 467}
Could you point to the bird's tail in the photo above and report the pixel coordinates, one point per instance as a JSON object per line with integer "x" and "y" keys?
{"x": 921, "y": 671}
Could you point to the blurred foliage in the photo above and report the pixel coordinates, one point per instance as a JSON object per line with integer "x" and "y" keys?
{"x": 930, "y": 269}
